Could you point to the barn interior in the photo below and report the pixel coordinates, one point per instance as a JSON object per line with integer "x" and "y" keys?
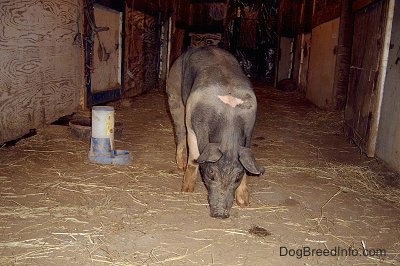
{"x": 326, "y": 75}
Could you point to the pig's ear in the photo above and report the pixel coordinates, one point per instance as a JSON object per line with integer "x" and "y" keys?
{"x": 246, "y": 157}
{"x": 210, "y": 154}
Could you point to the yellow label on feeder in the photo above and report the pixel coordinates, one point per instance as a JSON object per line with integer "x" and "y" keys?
{"x": 110, "y": 125}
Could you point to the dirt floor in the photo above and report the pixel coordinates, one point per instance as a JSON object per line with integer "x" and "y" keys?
{"x": 319, "y": 194}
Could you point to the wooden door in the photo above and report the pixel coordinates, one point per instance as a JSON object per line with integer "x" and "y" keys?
{"x": 368, "y": 40}
{"x": 322, "y": 64}
{"x": 107, "y": 49}
{"x": 105, "y": 60}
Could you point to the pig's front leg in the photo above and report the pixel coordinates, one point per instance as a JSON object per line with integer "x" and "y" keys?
{"x": 192, "y": 168}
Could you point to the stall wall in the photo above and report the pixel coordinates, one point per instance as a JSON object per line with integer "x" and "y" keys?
{"x": 285, "y": 59}
{"x": 322, "y": 64}
{"x": 142, "y": 52}
{"x": 388, "y": 142}
{"x": 107, "y": 52}
{"x": 363, "y": 96}
{"x": 304, "y": 56}
{"x": 40, "y": 65}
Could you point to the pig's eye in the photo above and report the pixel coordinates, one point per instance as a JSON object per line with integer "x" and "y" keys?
{"x": 211, "y": 173}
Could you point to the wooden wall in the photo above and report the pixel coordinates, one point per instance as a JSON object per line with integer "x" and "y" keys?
{"x": 106, "y": 59}
{"x": 181, "y": 10}
{"x": 322, "y": 64}
{"x": 325, "y": 11}
{"x": 285, "y": 58}
{"x": 320, "y": 80}
{"x": 289, "y": 17}
{"x": 388, "y": 142}
{"x": 40, "y": 68}
{"x": 143, "y": 22}
{"x": 142, "y": 52}
{"x": 362, "y": 93}
{"x": 302, "y": 57}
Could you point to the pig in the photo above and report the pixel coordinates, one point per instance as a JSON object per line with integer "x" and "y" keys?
{"x": 213, "y": 108}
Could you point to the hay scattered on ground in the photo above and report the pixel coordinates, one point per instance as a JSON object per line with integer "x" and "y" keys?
{"x": 67, "y": 229}
{"x": 361, "y": 180}
{"x": 364, "y": 181}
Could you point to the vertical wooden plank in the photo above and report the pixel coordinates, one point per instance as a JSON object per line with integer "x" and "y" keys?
{"x": 388, "y": 142}
{"x": 366, "y": 50}
{"x": 285, "y": 62}
{"x": 40, "y": 67}
{"x": 342, "y": 72}
{"x": 304, "y": 61}
{"x": 134, "y": 53}
{"x": 386, "y": 20}
{"x": 141, "y": 53}
{"x": 151, "y": 53}
{"x": 322, "y": 64}
{"x": 177, "y": 42}
{"x": 129, "y": 48}
{"x": 106, "y": 66}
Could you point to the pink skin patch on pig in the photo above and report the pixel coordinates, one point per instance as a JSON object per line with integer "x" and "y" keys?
{"x": 230, "y": 100}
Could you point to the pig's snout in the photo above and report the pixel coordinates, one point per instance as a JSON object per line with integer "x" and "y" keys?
{"x": 220, "y": 213}
{"x": 220, "y": 203}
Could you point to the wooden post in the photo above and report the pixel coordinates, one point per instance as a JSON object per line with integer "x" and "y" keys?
{"x": 371, "y": 146}
{"x": 343, "y": 59}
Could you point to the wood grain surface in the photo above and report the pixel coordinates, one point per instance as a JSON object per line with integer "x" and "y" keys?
{"x": 141, "y": 53}
{"x": 106, "y": 49}
{"x": 40, "y": 68}
{"x": 361, "y": 95}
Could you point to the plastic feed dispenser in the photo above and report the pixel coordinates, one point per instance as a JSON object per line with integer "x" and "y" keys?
{"x": 102, "y": 142}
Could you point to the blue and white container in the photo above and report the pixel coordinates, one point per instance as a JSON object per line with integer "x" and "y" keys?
{"x": 103, "y": 123}
{"x": 102, "y": 142}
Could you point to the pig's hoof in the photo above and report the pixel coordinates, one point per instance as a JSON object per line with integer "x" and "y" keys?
{"x": 187, "y": 188}
{"x": 243, "y": 200}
